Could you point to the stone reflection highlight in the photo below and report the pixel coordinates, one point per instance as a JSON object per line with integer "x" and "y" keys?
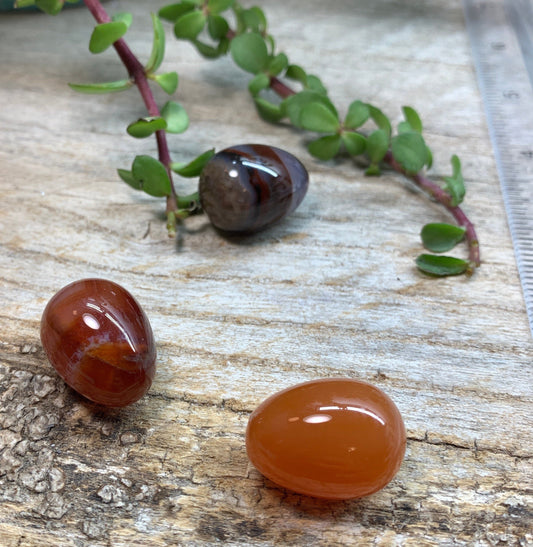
{"x": 317, "y": 418}
{"x": 354, "y": 409}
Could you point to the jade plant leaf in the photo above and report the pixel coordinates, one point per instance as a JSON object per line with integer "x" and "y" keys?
{"x": 410, "y": 151}
{"x": 441, "y": 266}
{"x": 51, "y": 7}
{"x": 151, "y": 175}
{"x": 127, "y": 177}
{"x": 258, "y": 83}
{"x": 217, "y": 27}
{"x": 296, "y": 72}
{"x": 317, "y": 117}
{"x": 455, "y": 184}
{"x": 325, "y": 148}
{"x": 314, "y": 83}
{"x": 380, "y": 119}
{"x": 249, "y": 52}
{"x": 173, "y": 12}
{"x": 195, "y": 166}
{"x": 167, "y": 81}
{"x": 377, "y": 145}
{"x": 412, "y": 118}
{"x": 101, "y": 88}
{"x": 270, "y": 112}
{"x": 441, "y": 237}
{"x": 158, "y": 45}
{"x": 218, "y": 6}
{"x": 355, "y": 143}
{"x": 429, "y": 161}
{"x": 106, "y": 34}
{"x": 188, "y": 26}
{"x": 24, "y": 3}
{"x": 123, "y": 17}
{"x": 277, "y": 64}
{"x": 295, "y": 103}
{"x": 207, "y": 50}
{"x": 358, "y": 114}
{"x": 254, "y": 19}
{"x": 404, "y": 127}
{"x": 144, "y": 127}
{"x": 176, "y": 117}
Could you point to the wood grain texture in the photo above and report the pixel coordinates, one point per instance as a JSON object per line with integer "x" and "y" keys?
{"x": 332, "y": 291}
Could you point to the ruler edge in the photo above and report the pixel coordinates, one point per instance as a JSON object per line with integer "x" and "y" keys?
{"x": 477, "y": 57}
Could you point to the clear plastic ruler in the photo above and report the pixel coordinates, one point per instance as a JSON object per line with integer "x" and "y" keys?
{"x": 501, "y": 34}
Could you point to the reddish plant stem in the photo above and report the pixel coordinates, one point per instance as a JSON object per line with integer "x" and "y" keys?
{"x": 430, "y": 187}
{"x": 440, "y": 195}
{"x": 138, "y": 75}
{"x": 280, "y": 88}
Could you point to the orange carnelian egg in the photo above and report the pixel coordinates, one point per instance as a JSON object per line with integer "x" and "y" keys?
{"x": 100, "y": 341}
{"x": 330, "y": 438}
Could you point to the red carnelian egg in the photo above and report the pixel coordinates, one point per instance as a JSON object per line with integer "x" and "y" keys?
{"x": 100, "y": 341}
{"x": 331, "y": 438}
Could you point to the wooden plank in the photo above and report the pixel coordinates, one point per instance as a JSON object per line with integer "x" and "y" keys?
{"x": 332, "y": 291}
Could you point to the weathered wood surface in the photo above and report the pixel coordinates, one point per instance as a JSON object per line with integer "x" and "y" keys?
{"x": 330, "y": 292}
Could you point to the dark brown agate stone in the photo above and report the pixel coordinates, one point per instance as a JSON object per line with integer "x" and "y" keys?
{"x": 248, "y": 187}
{"x": 100, "y": 341}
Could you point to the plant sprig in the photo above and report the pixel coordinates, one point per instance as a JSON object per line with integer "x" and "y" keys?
{"x": 221, "y": 27}
{"x": 154, "y": 176}
{"x": 310, "y": 109}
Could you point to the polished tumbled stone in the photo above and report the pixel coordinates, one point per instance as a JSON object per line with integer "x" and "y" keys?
{"x": 334, "y": 438}
{"x": 248, "y": 187}
{"x": 100, "y": 341}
